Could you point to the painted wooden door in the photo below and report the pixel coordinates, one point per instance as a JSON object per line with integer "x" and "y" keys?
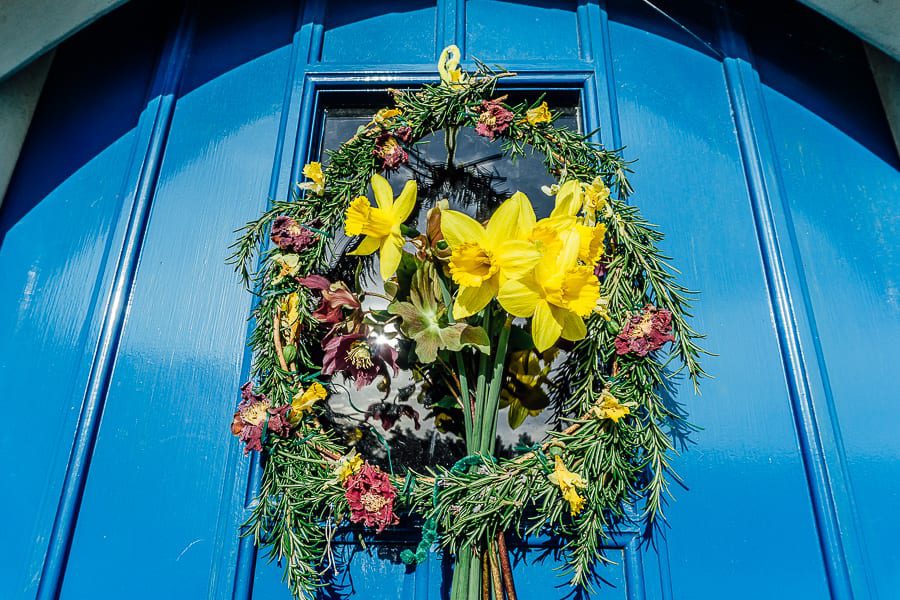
{"x": 762, "y": 150}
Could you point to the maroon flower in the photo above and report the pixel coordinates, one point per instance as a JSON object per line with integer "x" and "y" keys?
{"x": 389, "y": 413}
{"x": 255, "y": 415}
{"x": 371, "y": 498}
{"x": 335, "y": 298}
{"x": 645, "y": 332}
{"x": 290, "y": 235}
{"x": 493, "y": 119}
{"x": 404, "y": 134}
{"x": 389, "y": 150}
{"x": 353, "y": 355}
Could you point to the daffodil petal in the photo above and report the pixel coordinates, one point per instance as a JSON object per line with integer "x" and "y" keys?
{"x": 384, "y": 195}
{"x": 516, "y": 258}
{"x": 519, "y": 297}
{"x": 545, "y": 329}
{"x": 459, "y": 228}
{"x": 568, "y": 255}
{"x": 367, "y": 246}
{"x": 573, "y": 325}
{"x": 470, "y": 300}
{"x": 406, "y": 201}
{"x": 568, "y": 199}
{"x": 513, "y": 219}
{"x": 391, "y": 253}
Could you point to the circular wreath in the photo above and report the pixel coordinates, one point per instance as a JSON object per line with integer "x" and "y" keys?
{"x": 614, "y": 449}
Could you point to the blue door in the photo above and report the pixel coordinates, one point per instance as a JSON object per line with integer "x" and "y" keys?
{"x": 763, "y": 153}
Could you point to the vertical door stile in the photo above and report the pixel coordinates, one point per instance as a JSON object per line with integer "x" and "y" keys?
{"x": 817, "y": 429}
{"x": 157, "y": 118}
{"x": 306, "y": 44}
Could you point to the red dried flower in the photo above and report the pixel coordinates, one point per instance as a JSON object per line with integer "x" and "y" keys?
{"x": 256, "y": 415}
{"x": 290, "y": 235}
{"x": 493, "y": 119}
{"x": 389, "y": 150}
{"x": 645, "y": 332}
{"x": 404, "y": 134}
{"x": 371, "y": 498}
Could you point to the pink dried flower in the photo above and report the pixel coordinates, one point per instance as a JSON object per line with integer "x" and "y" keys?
{"x": 645, "y": 332}
{"x": 371, "y": 498}
{"x": 389, "y": 150}
{"x": 493, "y": 119}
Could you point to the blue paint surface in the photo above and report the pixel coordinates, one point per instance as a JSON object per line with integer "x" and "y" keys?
{"x": 763, "y": 153}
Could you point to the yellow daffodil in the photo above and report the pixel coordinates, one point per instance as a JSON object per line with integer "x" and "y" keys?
{"x": 383, "y": 116}
{"x": 596, "y": 197}
{"x": 558, "y": 294}
{"x": 348, "y": 466}
{"x": 316, "y": 183}
{"x": 602, "y": 308}
{"x": 448, "y": 66}
{"x": 568, "y": 483}
{"x": 304, "y": 400}
{"x": 381, "y": 224}
{"x": 538, "y": 114}
{"x": 290, "y": 311}
{"x": 609, "y": 407}
{"x": 591, "y": 246}
{"x": 482, "y": 258}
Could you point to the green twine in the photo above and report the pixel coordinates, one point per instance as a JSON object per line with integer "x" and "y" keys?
{"x": 429, "y": 537}
{"x": 537, "y": 450}
{"x": 429, "y": 527}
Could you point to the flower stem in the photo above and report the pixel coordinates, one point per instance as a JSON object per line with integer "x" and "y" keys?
{"x": 460, "y": 366}
{"x": 492, "y": 402}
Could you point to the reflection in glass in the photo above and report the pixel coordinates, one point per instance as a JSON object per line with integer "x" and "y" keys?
{"x": 412, "y": 421}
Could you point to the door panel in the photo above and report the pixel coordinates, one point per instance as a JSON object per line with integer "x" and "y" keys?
{"x": 61, "y": 228}
{"x": 743, "y": 470}
{"x": 777, "y": 191}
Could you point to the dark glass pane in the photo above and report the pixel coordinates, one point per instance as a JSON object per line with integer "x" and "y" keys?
{"x": 403, "y": 416}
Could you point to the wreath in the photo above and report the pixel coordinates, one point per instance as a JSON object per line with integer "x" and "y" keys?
{"x": 485, "y": 313}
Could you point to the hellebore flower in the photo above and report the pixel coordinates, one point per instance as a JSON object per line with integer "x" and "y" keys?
{"x": 316, "y": 183}
{"x": 371, "y": 498}
{"x": 335, "y": 297}
{"x": 381, "y": 224}
{"x": 424, "y": 321}
{"x": 290, "y": 236}
{"x": 568, "y": 483}
{"x": 353, "y": 355}
{"x": 483, "y": 258}
{"x": 389, "y": 150}
{"x": 558, "y": 294}
{"x": 389, "y": 413}
{"x": 645, "y": 332}
{"x": 493, "y": 119}
{"x": 609, "y": 407}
